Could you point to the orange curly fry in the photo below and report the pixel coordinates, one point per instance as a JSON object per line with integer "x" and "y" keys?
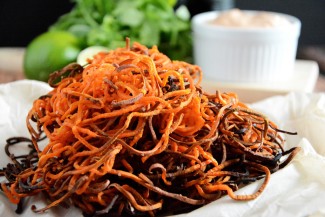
{"x": 133, "y": 131}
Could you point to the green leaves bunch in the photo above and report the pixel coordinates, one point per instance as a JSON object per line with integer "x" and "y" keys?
{"x": 150, "y": 22}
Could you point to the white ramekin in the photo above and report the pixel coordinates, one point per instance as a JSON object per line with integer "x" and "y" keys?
{"x": 233, "y": 54}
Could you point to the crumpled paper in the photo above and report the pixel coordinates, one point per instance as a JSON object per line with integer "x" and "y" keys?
{"x": 296, "y": 190}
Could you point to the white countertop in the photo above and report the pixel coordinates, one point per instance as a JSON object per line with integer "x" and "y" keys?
{"x": 304, "y": 79}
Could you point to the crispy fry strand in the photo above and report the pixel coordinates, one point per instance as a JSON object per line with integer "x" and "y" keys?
{"x": 133, "y": 129}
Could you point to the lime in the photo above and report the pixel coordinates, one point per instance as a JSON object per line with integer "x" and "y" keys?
{"x": 49, "y": 52}
{"x": 88, "y": 54}
{"x": 172, "y": 3}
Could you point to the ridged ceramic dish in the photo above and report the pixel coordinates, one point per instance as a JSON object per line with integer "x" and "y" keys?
{"x": 235, "y": 54}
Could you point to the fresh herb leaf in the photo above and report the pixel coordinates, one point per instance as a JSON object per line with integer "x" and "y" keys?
{"x": 150, "y": 22}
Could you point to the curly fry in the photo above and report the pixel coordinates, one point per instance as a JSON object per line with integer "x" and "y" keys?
{"x": 133, "y": 132}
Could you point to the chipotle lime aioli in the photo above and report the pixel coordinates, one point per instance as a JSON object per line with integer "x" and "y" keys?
{"x": 238, "y": 18}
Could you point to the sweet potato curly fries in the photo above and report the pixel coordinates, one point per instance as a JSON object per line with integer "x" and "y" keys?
{"x": 133, "y": 132}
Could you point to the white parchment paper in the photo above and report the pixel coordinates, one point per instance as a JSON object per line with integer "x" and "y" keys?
{"x": 297, "y": 190}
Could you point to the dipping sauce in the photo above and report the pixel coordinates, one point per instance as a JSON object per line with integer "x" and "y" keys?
{"x": 238, "y": 18}
{"x": 245, "y": 46}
